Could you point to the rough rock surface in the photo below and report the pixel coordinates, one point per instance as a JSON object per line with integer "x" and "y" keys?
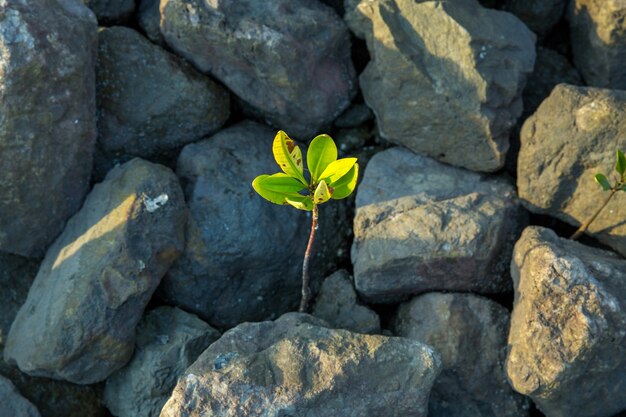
{"x": 12, "y": 404}
{"x": 111, "y": 11}
{"x": 469, "y": 332}
{"x": 149, "y": 101}
{"x": 539, "y": 15}
{"x": 168, "y": 341}
{"x": 296, "y": 366}
{"x": 421, "y": 225}
{"x": 47, "y": 118}
{"x": 571, "y": 137}
{"x": 598, "y": 33}
{"x": 567, "y": 343}
{"x": 454, "y": 100}
{"x": 148, "y": 18}
{"x": 78, "y": 322}
{"x": 250, "y": 45}
{"x": 337, "y": 304}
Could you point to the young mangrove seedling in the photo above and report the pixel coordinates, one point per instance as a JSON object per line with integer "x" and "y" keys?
{"x": 329, "y": 177}
{"x": 619, "y": 185}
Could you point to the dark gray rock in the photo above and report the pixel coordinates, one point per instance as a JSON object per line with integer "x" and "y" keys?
{"x": 47, "y": 118}
{"x": 354, "y": 116}
{"x": 111, "y": 11}
{"x": 422, "y": 226}
{"x": 150, "y": 102}
{"x": 78, "y": 322}
{"x": 470, "y": 333}
{"x": 598, "y": 39}
{"x": 454, "y": 100}
{"x": 567, "y": 343}
{"x": 148, "y": 18}
{"x": 250, "y": 45}
{"x": 168, "y": 341}
{"x": 571, "y": 137}
{"x": 337, "y": 304}
{"x": 296, "y": 366}
{"x": 539, "y": 15}
{"x": 12, "y": 403}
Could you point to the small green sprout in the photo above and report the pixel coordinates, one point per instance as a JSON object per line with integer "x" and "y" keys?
{"x": 619, "y": 185}
{"x": 329, "y": 177}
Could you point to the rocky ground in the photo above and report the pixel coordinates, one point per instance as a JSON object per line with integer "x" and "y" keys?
{"x": 141, "y": 276}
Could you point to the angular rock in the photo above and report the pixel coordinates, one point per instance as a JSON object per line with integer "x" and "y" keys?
{"x": 295, "y": 366}
{"x": 571, "y": 137}
{"x": 423, "y": 226}
{"x": 168, "y": 341}
{"x": 470, "y": 333}
{"x": 150, "y": 102}
{"x": 567, "y": 343}
{"x": 249, "y": 45}
{"x": 13, "y": 404}
{"x": 47, "y": 118}
{"x": 148, "y": 18}
{"x": 539, "y": 15}
{"x": 598, "y": 39}
{"x": 457, "y": 100}
{"x": 78, "y": 322}
{"x": 111, "y": 11}
{"x": 337, "y": 305}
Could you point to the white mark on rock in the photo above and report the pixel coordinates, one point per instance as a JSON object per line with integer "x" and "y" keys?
{"x": 142, "y": 265}
{"x": 152, "y": 204}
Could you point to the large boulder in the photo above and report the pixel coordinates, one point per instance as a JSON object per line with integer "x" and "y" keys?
{"x": 168, "y": 341}
{"x": 13, "y": 404}
{"x": 47, "y": 118}
{"x": 469, "y": 332}
{"x": 296, "y": 366}
{"x": 567, "y": 342}
{"x": 454, "y": 100}
{"x": 421, "y": 225}
{"x": 572, "y": 136}
{"x": 250, "y": 46}
{"x": 78, "y": 322}
{"x": 598, "y": 33}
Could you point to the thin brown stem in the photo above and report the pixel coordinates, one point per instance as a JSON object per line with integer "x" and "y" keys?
{"x": 306, "y": 292}
{"x": 583, "y": 227}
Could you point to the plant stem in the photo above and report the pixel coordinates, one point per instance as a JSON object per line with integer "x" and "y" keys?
{"x": 586, "y": 224}
{"x": 306, "y": 293}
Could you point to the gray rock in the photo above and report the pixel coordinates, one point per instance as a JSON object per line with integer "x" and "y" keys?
{"x": 421, "y": 226}
{"x": 567, "y": 343}
{"x": 457, "y": 100}
{"x": 111, "y": 11}
{"x": 138, "y": 118}
{"x": 297, "y": 367}
{"x": 470, "y": 333}
{"x": 337, "y": 304}
{"x": 149, "y": 19}
{"x": 78, "y": 322}
{"x": 539, "y": 15}
{"x": 168, "y": 341}
{"x": 13, "y": 404}
{"x": 572, "y": 136}
{"x": 47, "y": 118}
{"x": 250, "y": 45}
{"x": 598, "y": 39}
{"x": 354, "y": 116}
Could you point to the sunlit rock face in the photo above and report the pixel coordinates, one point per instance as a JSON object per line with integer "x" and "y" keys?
{"x": 78, "y": 321}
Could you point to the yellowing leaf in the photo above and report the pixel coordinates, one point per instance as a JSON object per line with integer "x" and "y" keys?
{"x": 322, "y": 193}
{"x": 322, "y": 151}
{"x": 302, "y": 202}
{"x": 346, "y": 184}
{"x": 277, "y": 197}
{"x": 337, "y": 169}
{"x": 288, "y": 156}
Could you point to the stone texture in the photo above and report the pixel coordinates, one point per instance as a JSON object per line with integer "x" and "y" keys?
{"x": 111, "y": 11}
{"x": 422, "y": 226}
{"x": 148, "y": 18}
{"x": 150, "y": 102}
{"x": 567, "y": 343}
{"x": 250, "y": 45}
{"x": 539, "y": 15}
{"x": 470, "y": 333}
{"x": 78, "y": 321}
{"x": 446, "y": 78}
{"x": 571, "y": 137}
{"x": 13, "y": 404}
{"x": 598, "y": 34}
{"x": 297, "y": 367}
{"x": 168, "y": 341}
{"x": 47, "y": 118}
{"x": 337, "y": 304}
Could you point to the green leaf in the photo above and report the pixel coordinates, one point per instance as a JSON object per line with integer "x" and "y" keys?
{"x": 277, "y": 197}
{"x": 302, "y": 202}
{"x": 322, "y": 151}
{"x": 322, "y": 193}
{"x": 604, "y": 183}
{"x": 620, "y": 164}
{"x": 288, "y": 156}
{"x": 337, "y": 169}
{"x": 346, "y": 184}
{"x": 282, "y": 183}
